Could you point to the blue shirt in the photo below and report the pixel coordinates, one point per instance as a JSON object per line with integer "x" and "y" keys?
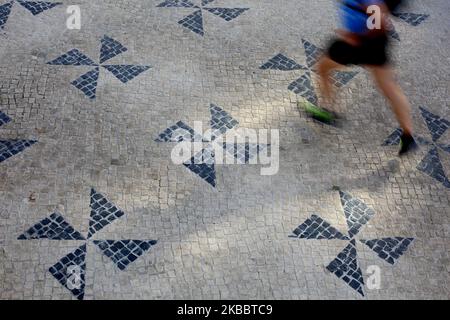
{"x": 353, "y": 16}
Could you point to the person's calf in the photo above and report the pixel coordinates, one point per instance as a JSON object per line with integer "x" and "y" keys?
{"x": 325, "y": 67}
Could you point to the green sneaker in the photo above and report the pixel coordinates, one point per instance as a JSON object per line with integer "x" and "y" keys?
{"x": 317, "y": 113}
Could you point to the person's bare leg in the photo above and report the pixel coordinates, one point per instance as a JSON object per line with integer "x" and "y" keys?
{"x": 385, "y": 79}
{"x": 325, "y": 67}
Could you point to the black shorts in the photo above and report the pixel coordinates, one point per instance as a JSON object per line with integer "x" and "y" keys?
{"x": 371, "y": 51}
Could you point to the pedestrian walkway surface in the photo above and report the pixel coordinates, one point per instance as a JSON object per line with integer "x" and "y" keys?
{"x": 93, "y": 207}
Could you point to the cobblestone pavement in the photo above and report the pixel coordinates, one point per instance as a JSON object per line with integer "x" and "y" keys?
{"x": 88, "y": 185}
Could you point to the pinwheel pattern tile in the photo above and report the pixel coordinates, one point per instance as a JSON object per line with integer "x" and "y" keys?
{"x": 303, "y": 86}
{"x": 88, "y": 82}
{"x": 103, "y": 212}
{"x": 176, "y": 4}
{"x": 389, "y": 249}
{"x": 282, "y": 63}
{"x": 10, "y": 148}
{"x": 126, "y": 73}
{"x": 73, "y": 58}
{"x": 356, "y": 212}
{"x": 437, "y": 125}
{"x": 431, "y": 164}
{"x": 244, "y": 152}
{"x": 55, "y": 227}
{"x": 317, "y": 228}
{"x": 179, "y": 132}
{"x": 227, "y": 14}
{"x": 71, "y": 269}
{"x": 110, "y": 48}
{"x": 341, "y": 78}
{"x": 63, "y": 273}
{"x": 413, "y": 19}
{"x": 194, "y": 21}
{"x": 345, "y": 266}
{"x": 221, "y": 121}
{"x": 124, "y": 252}
{"x": 34, "y": 7}
{"x": 312, "y": 53}
{"x": 4, "y": 119}
{"x": 203, "y": 164}
{"x": 5, "y": 11}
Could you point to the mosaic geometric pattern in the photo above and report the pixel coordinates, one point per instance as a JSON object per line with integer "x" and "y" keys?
{"x": 221, "y": 121}
{"x": 124, "y": 252}
{"x": 203, "y": 163}
{"x": 391, "y": 31}
{"x": 9, "y": 148}
{"x": 389, "y": 249}
{"x": 312, "y": 53}
{"x": 345, "y": 265}
{"x": 444, "y": 147}
{"x": 356, "y": 212}
{"x": 206, "y": 156}
{"x": 205, "y": 2}
{"x": 5, "y": 11}
{"x": 72, "y": 58}
{"x": 4, "y": 119}
{"x": 394, "y": 34}
{"x": 126, "y": 73}
{"x": 194, "y": 21}
{"x": 177, "y": 4}
{"x": 341, "y": 78}
{"x": 87, "y": 83}
{"x": 205, "y": 171}
{"x": 436, "y": 125}
{"x": 54, "y": 227}
{"x": 317, "y": 228}
{"x": 227, "y": 14}
{"x": 110, "y": 48}
{"x": 431, "y": 164}
{"x": 413, "y": 19}
{"x": 103, "y": 213}
{"x": 179, "y": 132}
{"x": 62, "y": 273}
{"x": 283, "y": 63}
{"x": 394, "y": 138}
{"x": 244, "y": 152}
{"x": 35, "y": 7}
{"x": 303, "y": 86}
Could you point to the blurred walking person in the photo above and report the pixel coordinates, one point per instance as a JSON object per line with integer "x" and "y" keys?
{"x": 360, "y": 44}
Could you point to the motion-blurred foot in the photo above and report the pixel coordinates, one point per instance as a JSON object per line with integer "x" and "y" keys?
{"x": 407, "y": 145}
